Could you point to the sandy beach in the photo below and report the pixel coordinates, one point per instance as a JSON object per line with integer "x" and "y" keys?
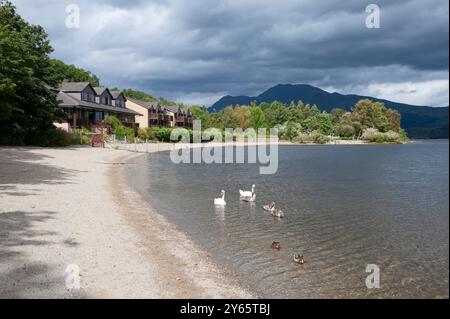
{"x": 73, "y": 207}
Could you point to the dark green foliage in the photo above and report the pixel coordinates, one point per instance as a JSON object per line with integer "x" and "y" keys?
{"x": 50, "y": 137}
{"x": 138, "y": 95}
{"x": 163, "y": 134}
{"x": 419, "y": 121}
{"x": 70, "y": 73}
{"x": 306, "y": 124}
{"x": 28, "y": 107}
{"x": 118, "y": 129}
{"x": 113, "y": 121}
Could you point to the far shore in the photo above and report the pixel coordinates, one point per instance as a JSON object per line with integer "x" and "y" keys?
{"x": 72, "y": 207}
{"x": 153, "y": 147}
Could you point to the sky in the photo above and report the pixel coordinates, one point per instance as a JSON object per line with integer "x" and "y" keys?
{"x": 197, "y": 51}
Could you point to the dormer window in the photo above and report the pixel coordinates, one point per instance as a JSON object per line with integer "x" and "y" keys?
{"x": 88, "y": 97}
{"x": 105, "y": 100}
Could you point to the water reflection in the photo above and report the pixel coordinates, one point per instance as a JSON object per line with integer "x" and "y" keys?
{"x": 345, "y": 207}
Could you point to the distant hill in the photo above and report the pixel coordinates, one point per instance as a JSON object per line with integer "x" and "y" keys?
{"x": 419, "y": 121}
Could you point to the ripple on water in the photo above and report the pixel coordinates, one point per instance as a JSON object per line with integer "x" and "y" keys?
{"x": 345, "y": 207}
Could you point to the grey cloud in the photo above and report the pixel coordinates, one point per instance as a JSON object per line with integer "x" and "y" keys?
{"x": 192, "y": 48}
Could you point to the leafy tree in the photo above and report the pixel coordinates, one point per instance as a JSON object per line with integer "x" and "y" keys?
{"x": 256, "y": 117}
{"x": 320, "y": 122}
{"x": 264, "y": 105}
{"x": 345, "y": 127}
{"x": 296, "y": 112}
{"x": 70, "y": 73}
{"x": 277, "y": 113}
{"x": 229, "y": 118}
{"x": 242, "y": 117}
{"x": 215, "y": 120}
{"x": 138, "y": 95}
{"x": 336, "y": 115}
{"x": 200, "y": 113}
{"x": 167, "y": 102}
{"x": 27, "y": 106}
{"x": 394, "y": 120}
{"x": 371, "y": 115}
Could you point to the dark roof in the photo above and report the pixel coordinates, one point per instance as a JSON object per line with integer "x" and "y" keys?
{"x": 144, "y": 104}
{"x": 99, "y": 90}
{"x": 65, "y": 100}
{"x": 115, "y": 94}
{"x": 155, "y": 105}
{"x": 73, "y": 86}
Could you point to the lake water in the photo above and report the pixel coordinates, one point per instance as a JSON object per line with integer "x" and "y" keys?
{"x": 346, "y": 207}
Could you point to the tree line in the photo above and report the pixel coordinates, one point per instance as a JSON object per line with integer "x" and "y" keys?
{"x": 299, "y": 121}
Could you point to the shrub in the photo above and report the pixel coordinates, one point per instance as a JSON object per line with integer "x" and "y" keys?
{"x": 151, "y": 133}
{"x": 79, "y": 138}
{"x": 129, "y": 133}
{"x": 119, "y": 132}
{"x": 319, "y": 138}
{"x": 374, "y": 136}
{"x": 392, "y": 137}
{"x": 370, "y": 134}
{"x": 302, "y": 138}
{"x": 403, "y": 135}
{"x": 13, "y": 137}
{"x": 143, "y": 134}
{"x": 50, "y": 137}
{"x": 292, "y": 131}
{"x": 85, "y": 140}
{"x": 345, "y": 130}
{"x": 212, "y": 134}
{"x": 281, "y": 129}
{"x": 113, "y": 121}
{"x": 163, "y": 134}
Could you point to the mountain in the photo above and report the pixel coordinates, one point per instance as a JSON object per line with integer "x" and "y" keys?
{"x": 419, "y": 121}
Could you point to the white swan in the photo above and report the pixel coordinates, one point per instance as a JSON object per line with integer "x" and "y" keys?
{"x": 248, "y": 196}
{"x": 221, "y": 200}
{"x": 270, "y": 207}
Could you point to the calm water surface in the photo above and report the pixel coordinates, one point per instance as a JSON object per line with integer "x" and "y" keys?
{"x": 345, "y": 206}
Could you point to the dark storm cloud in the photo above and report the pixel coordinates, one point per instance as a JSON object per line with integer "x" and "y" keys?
{"x": 199, "y": 50}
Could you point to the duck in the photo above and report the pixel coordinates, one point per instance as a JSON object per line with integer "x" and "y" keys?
{"x": 277, "y": 213}
{"x": 276, "y": 245}
{"x": 221, "y": 200}
{"x": 270, "y": 207}
{"x": 299, "y": 259}
{"x": 248, "y": 196}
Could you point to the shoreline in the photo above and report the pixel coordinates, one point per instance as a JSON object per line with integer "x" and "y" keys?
{"x": 73, "y": 206}
{"x": 154, "y": 147}
{"x": 202, "y": 273}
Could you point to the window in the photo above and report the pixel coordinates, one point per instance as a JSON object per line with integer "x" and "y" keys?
{"x": 104, "y": 100}
{"x": 98, "y": 116}
{"x": 86, "y": 96}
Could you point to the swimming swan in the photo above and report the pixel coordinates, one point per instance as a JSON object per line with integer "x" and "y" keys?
{"x": 248, "y": 196}
{"x": 270, "y": 207}
{"x": 221, "y": 200}
{"x": 277, "y": 213}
